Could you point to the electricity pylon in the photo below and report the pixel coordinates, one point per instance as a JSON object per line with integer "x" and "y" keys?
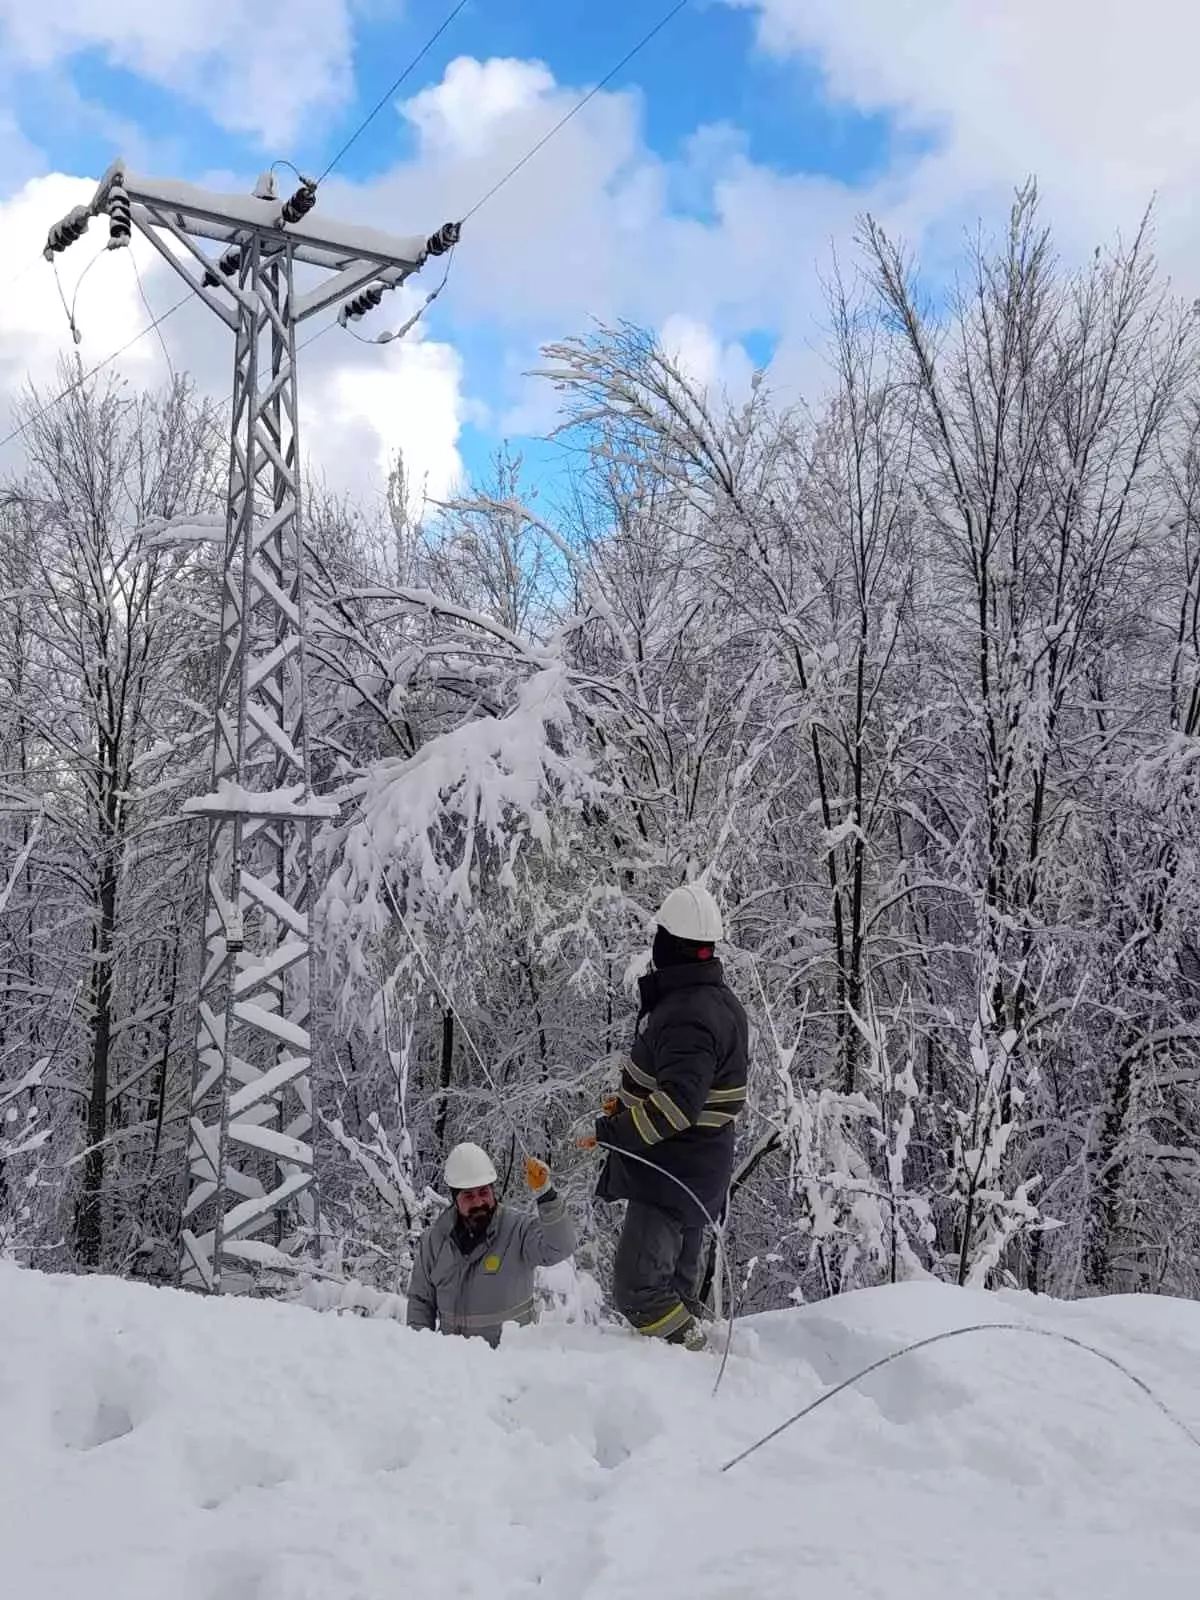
{"x": 251, "y": 1193}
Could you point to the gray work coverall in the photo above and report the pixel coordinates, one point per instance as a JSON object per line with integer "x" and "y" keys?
{"x": 475, "y": 1290}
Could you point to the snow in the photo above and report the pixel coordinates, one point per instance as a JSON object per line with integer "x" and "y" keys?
{"x": 349, "y": 239}
{"x": 153, "y": 1443}
{"x": 230, "y": 799}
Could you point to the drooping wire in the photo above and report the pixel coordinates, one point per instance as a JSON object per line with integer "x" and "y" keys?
{"x": 83, "y": 378}
{"x": 350, "y": 310}
{"x": 76, "y": 331}
{"x": 584, "y": 100}
{"x": 391, "y": 90}
{"x": 67, "y": 311}
{"x": 150, "y": 311}
{"x": 292, "y": 167}
{"x": 957, "y": 1333}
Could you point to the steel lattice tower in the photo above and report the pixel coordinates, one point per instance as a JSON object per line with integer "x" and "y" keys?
{"x": 251, "y": 1193}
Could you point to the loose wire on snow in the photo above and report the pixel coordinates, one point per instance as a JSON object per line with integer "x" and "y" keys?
{"x": 957, "y": 1333}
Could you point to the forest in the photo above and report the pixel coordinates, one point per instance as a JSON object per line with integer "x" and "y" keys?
{"x": 910, "y": 673}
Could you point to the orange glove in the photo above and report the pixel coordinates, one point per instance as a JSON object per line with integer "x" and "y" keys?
{"x": 588, "y": 1142}
{"x": 611, "y": 1104}
{"x": 537, "y": 1174}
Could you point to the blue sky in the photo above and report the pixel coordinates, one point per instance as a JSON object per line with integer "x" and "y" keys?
{"x": 701, "y": 194}
{"x": 703, "y": 68}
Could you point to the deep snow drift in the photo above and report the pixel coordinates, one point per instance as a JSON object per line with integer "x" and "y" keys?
{"x": 154, "y": 1445}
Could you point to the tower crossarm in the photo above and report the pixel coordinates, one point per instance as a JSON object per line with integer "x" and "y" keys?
{"x": 317, "y": 241}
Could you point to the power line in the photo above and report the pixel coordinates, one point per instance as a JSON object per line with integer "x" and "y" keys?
{"x": 158, "y": 321}
{"x": 92, "y": 371}
{"x": 25, "y": 270}
{"x": 608, "y": 77}
{"x": 584, "y": 100}
{"x": 100, "y": 365}
{"x": 388, "y": 93}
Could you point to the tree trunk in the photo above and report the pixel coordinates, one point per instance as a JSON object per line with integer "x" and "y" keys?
{"x": 89, "y": 1231}
{"x": 444, "y": 1078}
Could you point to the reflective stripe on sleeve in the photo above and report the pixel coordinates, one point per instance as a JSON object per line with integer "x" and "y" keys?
{"x": 715, "y": 1119}
{"x": 662, "y": 1101}
{"x": 719, "y": 1097}
{"x": 631, "y": 1070}
{"x": 646, "y": 1131}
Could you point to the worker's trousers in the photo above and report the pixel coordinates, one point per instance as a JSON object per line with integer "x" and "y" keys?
{"x": 657, "y": 1270}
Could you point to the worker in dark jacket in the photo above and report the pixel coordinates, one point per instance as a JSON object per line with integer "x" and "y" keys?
{"x": 475, "y": 1264}
{"x": 681, "y": 1090}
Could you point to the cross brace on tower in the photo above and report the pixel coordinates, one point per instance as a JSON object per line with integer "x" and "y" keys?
{"x": 251, "y": 1195}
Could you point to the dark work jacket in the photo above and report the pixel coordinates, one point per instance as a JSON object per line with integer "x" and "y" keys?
{"x": 681, "y": 1091}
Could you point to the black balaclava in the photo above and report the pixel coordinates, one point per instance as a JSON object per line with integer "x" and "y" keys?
{"x": 668, "y": 951}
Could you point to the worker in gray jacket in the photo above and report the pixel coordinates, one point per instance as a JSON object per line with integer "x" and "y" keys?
{"x": 475, "y": 1264}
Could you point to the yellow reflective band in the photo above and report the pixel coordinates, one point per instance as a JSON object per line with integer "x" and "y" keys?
{"x": 662, "y": 1100}
{"x": 678, "y": 1317}
{"x": 726, "y": 1096}
{"x": 647, "y": 1132}
{"x": 715, "y": 1119}
{"x": 630, "y": 1097}
{"x": 632, "y": 1070}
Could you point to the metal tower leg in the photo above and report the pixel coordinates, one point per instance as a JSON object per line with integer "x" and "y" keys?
{"x": 251, "y": 1115}
{"x": 251, "y": 1192}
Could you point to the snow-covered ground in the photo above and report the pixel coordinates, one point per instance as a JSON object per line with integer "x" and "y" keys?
{"x": 155, "y": 1445}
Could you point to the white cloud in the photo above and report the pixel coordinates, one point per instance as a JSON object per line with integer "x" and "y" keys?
{"x": 703, "y": 360}
{"x": 252, "y": 75}
{"x": 586, "y": 229}
{"x": 355, "y": 416}
{"x": 459, "y": 116}
{"x": 1098, "y": 98}
{"x": 33, "y": 322}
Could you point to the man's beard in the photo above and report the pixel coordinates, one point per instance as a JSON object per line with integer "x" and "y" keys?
{"x": 477, "y": 1219}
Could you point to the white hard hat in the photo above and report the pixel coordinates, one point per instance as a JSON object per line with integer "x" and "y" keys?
{"x": 469, "y": 1167}
{"x": 690, "y": 912}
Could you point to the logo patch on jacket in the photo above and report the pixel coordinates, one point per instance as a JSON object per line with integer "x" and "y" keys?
{"x": 491, "y": 1263}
